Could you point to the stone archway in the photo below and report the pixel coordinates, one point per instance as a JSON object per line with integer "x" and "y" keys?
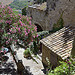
{"x": 38, "y": 27}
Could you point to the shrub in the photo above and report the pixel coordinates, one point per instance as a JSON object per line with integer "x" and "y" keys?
{"x": 43, "y": 34}
{"x": 14, "y": 27}
{"x": 27, "y": 52}
{"x": 66, "y": 67}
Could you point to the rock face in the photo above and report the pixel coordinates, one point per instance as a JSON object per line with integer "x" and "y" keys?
{"x": 50, "y": 14}
{"x": 56, "y": 7}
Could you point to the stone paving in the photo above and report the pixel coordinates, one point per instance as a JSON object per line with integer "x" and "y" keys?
{"x": 35, "y": 69}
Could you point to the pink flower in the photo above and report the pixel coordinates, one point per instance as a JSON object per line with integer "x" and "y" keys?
{"x": 17, "y": 25}
{"x": 21, "y": 24}
{"x": 9, "y": 12}
{"x": 29, "y": 27}
{"x": 69, "y": 63}
{"x": 14, "y": 31}
{"x": 1, "y": 20}
{"x": 7, "y": 42}
{"x": 37, "y": 35}
{"x": 8, "y": 33}
{"x": 28, "y": 30}
{"x": 20, "y": 21}
{"x": 8, "y": 21}
{"x": 0, "y": 15}
{"x": 19, "y": 15}
{"x": 5, "y": 37}
{"x": 2, "y": 47}
{"x": 13, "y": 27}
{"x": 10, "y": 39}
{"x": 26, "y": 16}
{"x": 27, "y": 19}
{"x": 19, "y": 29}
{"x": 3, "y": 6}
{"x": 11, "y": 15}
{"x": 15, "y": 40}
{"x": 20, "y": 18}
{"x": 67, "y": 59}
{"x": 10, "y": 30}
{"x": 35, "y": 28}
{"x": 32, "y": 31}
{"x": 1, "y": 51}
{"x": 26, "y": 33}
{"x": 34, "y": 36}
{"x": 32, "y": 40}
{"x": 25, "y": 29}
{"x": 8, "y": 7}
{"x": 30, "y": 18}
{"x": 29, "y": 22}
{"x": 20, "y": 32}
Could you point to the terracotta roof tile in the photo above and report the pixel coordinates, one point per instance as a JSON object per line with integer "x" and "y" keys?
{"x": 61, "y": 41}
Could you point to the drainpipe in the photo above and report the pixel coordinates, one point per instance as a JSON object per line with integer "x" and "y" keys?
{"x": 73, "y": 49}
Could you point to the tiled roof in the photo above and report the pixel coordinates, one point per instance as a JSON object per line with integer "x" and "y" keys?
{"x": 61, "y": 41}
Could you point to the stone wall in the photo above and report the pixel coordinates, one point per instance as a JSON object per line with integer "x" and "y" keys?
{"x": 45, "y": 54}
{"x": 39, "y": 17}
{"x": 46, "y": 19}
{"x": 56, "y": 7}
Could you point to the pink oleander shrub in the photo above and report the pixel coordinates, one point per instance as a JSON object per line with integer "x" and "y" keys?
{"x": 14, "y": 27}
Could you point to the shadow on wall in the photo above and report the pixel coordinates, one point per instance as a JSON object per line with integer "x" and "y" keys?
{"x": 38, "y": 27}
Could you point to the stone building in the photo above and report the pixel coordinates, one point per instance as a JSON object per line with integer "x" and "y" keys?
{"x": 59, "y": 45}
{"x": 47, "y": 14}
{"x": 37, "y": 12}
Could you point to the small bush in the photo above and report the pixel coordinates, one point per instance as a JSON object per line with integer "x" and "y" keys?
{"x": 27, "y": 52}
{"x": 66, "y": 67}
{"x": 43, "y": 34}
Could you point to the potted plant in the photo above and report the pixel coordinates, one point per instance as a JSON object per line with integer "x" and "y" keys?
{"x": 27, "y": 53}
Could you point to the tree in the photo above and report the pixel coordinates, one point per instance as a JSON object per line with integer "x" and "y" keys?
{"x": 15, "y": 27}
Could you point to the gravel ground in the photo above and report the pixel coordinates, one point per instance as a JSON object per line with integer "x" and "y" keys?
{"x": 35, "y": 69}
